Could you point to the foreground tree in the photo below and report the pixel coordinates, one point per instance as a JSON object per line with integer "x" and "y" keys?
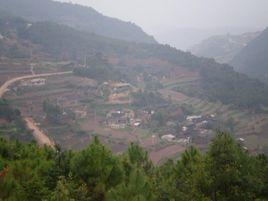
{"x": 229, "y": 168}
{"x": 225, "y": 173}
{"x": 136, "y": 189}
{"x": 98, "y": 168}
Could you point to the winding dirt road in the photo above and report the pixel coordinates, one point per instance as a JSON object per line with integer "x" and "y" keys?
{"x": 40, "y": 137}
{"x": 4, "y": 87}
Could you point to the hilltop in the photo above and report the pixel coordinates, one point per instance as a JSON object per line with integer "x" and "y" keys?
{"x": 252, "y": 60}
{"x": 223, "y": 48}
{"x": 76, "y": 16}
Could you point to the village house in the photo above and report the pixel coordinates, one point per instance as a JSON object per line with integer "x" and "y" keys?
{"x": 136, "y": 122}
{"x": 121, "y": 87}
{"x": 193, "y": 117}
{"x": 38, "y": 82}
{"x": 169, "y": 137}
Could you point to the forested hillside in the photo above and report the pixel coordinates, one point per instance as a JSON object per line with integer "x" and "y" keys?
{"x": 218, "y": 81}
{"x": 223, "y": 48}
{"x": 76, "y": 16}
{"x": 224, "y": 172}
{"x": 253, "y": 60}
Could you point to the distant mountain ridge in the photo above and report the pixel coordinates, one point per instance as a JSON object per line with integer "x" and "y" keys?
{"x": 76, "y": 16}
{"x": 223, "y": 48}
{"x": 253, "y": 59}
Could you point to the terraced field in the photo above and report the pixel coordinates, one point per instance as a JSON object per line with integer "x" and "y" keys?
{"x": 245, "y": 123}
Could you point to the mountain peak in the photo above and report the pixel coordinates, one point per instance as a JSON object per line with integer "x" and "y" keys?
{"x": 76, "y": 16}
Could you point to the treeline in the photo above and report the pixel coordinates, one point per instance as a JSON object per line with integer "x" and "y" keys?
{"x": 13, "y": 126}
{"x": 225, "y": 173}
{"x": 9, "y": 46}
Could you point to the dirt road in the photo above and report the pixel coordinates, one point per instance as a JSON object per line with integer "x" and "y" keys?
{"x": 4, "y": 87}
{"x": 40, "y": 137}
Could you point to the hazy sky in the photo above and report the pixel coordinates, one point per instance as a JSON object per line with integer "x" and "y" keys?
{"x": 155, "y": 14}
{"x": 184, "y": 23}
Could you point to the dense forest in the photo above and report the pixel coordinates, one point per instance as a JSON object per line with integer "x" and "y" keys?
{"x": 225, "y": 172}
{"x": 98, "y": 68}
{"x": 13, "y": 126}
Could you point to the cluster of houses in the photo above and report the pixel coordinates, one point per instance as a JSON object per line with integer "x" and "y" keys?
{"x": 192, "y": 124}
{"x": 198, "y": 123}
{"x": 120, "y": 119}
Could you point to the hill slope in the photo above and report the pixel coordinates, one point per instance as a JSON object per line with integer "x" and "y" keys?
{"x": 217, "y": 81}
{"x": 76, "y": 16}
{"x": 253, "y": 60}
{"x": 223, "y": 47}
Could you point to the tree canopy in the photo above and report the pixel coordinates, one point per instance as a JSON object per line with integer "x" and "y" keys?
{"x": 225, "y": 172}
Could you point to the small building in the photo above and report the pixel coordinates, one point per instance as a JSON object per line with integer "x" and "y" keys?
{"x": 193, "y": 117}
{"x": 121, "y": 87}
{"x": 213, "y": 115}
{"x": 184, "y": 128}
{"x": 38, "y": 82}
{"x": 34, "y": 82}
{"x": 169, "y": 137}
{"x": 241, "y": 139}
{"x": 137, "y": 123}
{"x": 1, "y": 37}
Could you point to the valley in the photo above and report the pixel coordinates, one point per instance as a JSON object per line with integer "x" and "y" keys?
{"x": 82, "y": 109}
{"x": 93, "y": 108}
